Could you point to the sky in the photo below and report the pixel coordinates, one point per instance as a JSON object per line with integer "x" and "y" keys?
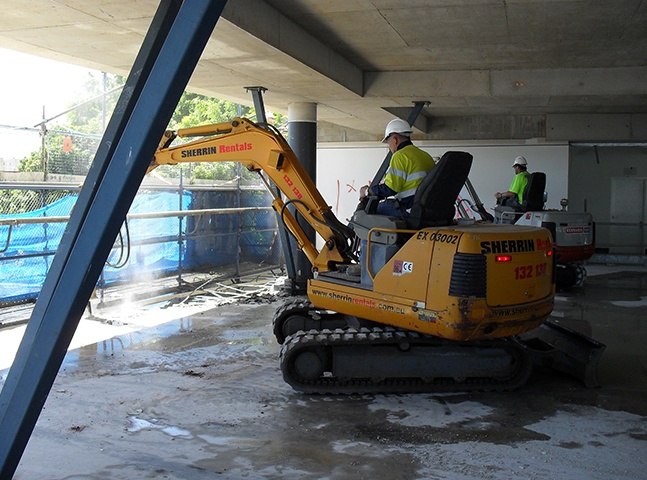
{"x": 28, "y": 84}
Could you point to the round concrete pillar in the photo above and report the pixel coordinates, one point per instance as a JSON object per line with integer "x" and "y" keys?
{"x": 302, "y": 112}
{"x": 302, "y": 137}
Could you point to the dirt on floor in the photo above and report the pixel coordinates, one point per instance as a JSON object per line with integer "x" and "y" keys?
{"x": 201, "y": 396}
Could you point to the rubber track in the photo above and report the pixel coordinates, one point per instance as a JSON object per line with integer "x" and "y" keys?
{"x": 298, "y": 305}
{"x": 326, "y": 384}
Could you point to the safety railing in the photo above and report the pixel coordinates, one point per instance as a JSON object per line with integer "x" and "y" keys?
{"x": 199, "y": 240}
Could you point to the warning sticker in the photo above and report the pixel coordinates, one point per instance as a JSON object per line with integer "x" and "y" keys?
{"x": 401, "y": 267}
{"x": 427, "y": 316}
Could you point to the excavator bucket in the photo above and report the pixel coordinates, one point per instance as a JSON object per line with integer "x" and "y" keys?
{"x": 565, "y": 350}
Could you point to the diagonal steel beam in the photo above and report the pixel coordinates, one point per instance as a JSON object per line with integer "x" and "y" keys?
{"x": 169, "y": 54}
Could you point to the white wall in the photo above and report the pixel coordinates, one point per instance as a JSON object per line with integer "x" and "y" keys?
{"x": 342, "y": 168}
{"x": 597, "y": 170}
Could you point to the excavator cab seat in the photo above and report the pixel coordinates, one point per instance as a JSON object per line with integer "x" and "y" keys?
{"x": 434, "y": 206}
{"x": 434, "y": 203}
{"x": 533, "y": 200}
{"x": 533, "y": 194}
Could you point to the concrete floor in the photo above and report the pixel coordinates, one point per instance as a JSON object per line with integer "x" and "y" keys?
{"x": 201, "y": 397}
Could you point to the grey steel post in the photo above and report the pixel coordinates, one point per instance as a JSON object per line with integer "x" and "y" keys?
{"x": 259, "y": 107}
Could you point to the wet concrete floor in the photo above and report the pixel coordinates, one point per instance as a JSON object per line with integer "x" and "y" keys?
{"x": 202, "y": 397}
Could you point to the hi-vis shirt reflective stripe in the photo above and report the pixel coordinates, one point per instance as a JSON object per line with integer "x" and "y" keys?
{"x": 407, "y": 168}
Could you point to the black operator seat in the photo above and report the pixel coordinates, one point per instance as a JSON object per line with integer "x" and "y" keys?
{"x": 434, "y": 202}
{"x": 533, "y": 194}
{"x": 533, "y": 200}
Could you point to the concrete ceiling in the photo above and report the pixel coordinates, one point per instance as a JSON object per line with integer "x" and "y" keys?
{"x": 489, "y": 68}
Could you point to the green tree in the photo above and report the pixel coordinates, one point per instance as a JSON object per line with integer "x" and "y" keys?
{"x": 194, "y": 109}
{"x": 87, "y": 116}
{"x": 71, "y": 146}
{"x": 32, "y": 163}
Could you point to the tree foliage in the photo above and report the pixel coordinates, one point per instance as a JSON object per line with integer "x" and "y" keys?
{"x": 194, "y": 109}
{"x": 70, "y": 147}
{"x": 70, "y": 143}
{"x": 32, "y": 163}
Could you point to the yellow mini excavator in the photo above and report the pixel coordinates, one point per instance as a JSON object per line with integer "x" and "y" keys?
{"x": 422, "y": 304}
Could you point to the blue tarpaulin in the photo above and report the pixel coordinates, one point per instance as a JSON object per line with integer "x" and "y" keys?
{"x": 146, "y": 247}
{"x": 30, "y": 248}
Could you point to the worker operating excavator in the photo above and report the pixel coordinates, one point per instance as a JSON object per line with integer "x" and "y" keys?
{"x": 408, "y": 167}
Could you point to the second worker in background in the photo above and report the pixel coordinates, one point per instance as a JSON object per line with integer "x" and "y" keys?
{"x": 514, "y": 196}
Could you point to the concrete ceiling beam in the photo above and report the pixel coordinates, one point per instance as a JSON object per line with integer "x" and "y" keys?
{"x": 361, "y": 60}
{"x": 423, "y": 85}
{"x": 598, "y": 127}
{"x": 421, "y": 124}
{"x": 571, "y": 81}
{"x": 539, "y": 83}
{"x": 275, "y": 29}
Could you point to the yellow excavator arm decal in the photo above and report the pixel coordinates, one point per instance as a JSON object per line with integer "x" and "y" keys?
{"x": 263, "y": 150}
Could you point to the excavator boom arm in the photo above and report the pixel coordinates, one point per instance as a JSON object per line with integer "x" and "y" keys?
{"x": 263, "y": 150}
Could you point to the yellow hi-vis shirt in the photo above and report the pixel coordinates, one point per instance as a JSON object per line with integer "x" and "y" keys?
{"x": 407, "y": 168}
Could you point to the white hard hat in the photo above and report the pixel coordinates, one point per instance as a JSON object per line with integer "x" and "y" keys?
{"x": 397, "y": 126}
{"x": 520, "y": 161}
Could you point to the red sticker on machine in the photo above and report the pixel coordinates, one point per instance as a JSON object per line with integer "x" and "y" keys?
{"x": 400, "y": 267}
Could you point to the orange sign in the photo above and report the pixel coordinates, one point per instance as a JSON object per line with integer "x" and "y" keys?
{"x": 67, "y": 144}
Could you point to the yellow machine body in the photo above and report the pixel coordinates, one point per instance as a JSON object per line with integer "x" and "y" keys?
{"x": 457, "y": 282}
{"x": 501, "y": 285}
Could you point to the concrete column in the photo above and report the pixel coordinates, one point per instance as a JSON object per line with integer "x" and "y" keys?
{"x": 302, "y": 137}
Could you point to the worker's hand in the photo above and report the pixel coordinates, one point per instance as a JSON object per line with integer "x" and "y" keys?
{"x": 363, "y": 191}
{"x": 498, "y": 195}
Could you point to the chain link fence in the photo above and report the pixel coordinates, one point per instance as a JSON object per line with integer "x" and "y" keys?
{"x": 14, "y": 201}
{"x": 236, "y": 231}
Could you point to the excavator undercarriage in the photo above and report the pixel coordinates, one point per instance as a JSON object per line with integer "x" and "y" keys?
{"x": 387, "y": 360}
{"x": 330, "y": 353}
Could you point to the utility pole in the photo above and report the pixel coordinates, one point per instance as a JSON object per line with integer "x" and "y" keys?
{"x": 43, "y": 151}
